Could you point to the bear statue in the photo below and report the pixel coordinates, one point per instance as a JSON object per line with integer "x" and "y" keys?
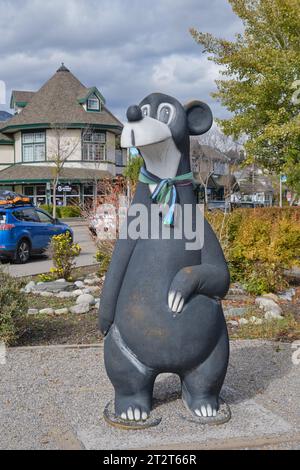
{"x": 161, "y": 303}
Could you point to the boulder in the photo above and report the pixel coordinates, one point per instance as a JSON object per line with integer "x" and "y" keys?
{"x": 32, "y": 311}
{"x": 91, "y": 281}
{"x": 233, "y": 323}
{"x": 55, "y": 287}
{"x": 80, "y": 308}
{"x": 44, "y": 294}
{"x": 29, "y": 287}
{"x": 269, "y": 305}
{"x": 87, "y": 290}
{"x": 77, "y": 292}
{"x": 64, "y": 295}
{"x": 85, "y": 299}
{"x": 269, "y": 315}
{"x": 79, "y": 284}
{"x": 235, "y": 311}
{"x": 93, "y": 289}
{"x": 243, "y": 321}
{"x": 287, "y": 295}
{"x": 61, "y": 311}
{"x": 60, "y": 280}
{"x": 272, "y": 296}
{"x": 46, "y": 311}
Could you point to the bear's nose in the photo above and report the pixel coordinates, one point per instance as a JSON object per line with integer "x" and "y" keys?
{"x": 134, "y": 113}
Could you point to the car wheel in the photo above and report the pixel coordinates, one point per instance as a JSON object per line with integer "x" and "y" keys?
{"x": 22, "y": 252}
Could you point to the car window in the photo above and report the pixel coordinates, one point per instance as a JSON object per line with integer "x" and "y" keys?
{"x": 44, "y": 218}
{"x": 26, "y": 215}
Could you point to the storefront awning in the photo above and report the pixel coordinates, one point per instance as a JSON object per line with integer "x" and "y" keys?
{"x": 18, "y": 174}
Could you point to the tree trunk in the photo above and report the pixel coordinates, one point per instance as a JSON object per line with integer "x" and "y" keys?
{"x": 54, "y": 199}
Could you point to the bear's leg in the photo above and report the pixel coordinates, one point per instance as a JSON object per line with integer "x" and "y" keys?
{"x": 133, "y": 381}
{"x": 202, "y": 385}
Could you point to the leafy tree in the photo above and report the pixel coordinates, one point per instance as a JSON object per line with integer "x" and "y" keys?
{"x": 260, "y": 81}
{"x": 132, "y": 171}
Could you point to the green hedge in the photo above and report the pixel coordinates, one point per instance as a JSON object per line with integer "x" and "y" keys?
{"x": 63, "y": 212}
{"x": 259, "y": 244}
{"x": 13, "y": 304}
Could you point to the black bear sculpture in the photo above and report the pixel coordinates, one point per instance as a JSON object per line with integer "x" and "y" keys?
{"x": 160, "y": 308}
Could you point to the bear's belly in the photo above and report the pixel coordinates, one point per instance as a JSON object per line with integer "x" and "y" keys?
{"x": 157, "y": 337}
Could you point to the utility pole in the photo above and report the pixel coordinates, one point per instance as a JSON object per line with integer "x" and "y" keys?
{"x": 282, "y": 179}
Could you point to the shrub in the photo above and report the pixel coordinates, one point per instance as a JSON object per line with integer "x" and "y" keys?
{"x": 63, "y": 211}
{"x": 132, "y": 171}
{"x": 70, "y": 211}
{"x": 259, "y": 244}
{"x": 104, "y": 254}
{"x": 13, "y": 305}
{"x": 49, "y": 208}
{"x": 63, "y": 252}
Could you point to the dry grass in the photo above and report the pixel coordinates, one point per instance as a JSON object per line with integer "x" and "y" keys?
{"x": 287, "y": 329}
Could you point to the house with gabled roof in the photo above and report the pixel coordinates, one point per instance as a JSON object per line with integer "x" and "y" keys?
{"x": 28, "y": 140}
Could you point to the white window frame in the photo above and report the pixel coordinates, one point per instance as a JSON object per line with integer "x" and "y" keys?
{"x": 34, "y": 141}
{"x": 93, "y": 103}
{"x": 91, "y": 143}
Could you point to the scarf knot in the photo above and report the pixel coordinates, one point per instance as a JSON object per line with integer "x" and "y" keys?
{"x": 165, "y": 192}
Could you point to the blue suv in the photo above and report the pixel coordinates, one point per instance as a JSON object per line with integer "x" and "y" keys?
{"x": 26, "y": 230}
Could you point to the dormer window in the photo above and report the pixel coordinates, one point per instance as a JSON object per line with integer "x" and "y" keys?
{"x": 93, "y": 103}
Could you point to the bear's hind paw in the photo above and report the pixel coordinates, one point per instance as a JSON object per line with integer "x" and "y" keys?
{"x": 134, "y": 414}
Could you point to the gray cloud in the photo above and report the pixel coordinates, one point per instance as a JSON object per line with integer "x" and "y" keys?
{"x": 127, "y": 48}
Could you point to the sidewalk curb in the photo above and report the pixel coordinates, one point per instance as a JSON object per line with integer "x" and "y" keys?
{"x": 232, "y": 444}
{"x": 52, "y": 347}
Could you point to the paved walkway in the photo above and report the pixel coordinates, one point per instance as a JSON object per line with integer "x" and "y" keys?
{"x": 53, "y": 398}
{"x": 39, "y": 265}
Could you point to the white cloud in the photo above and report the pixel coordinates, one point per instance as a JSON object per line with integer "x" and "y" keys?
{"x": 127, "y": 48}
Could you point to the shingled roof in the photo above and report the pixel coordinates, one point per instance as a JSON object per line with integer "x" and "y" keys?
{"x": 57, "y": 103}
{"x": 20, "y": 173}
{"x": 3, "y": 138}
{"x": 206, "y": 152}
{"x": 21, "y": 98}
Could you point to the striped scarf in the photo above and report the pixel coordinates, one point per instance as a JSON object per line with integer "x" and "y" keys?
{"x": 165, "y": 192}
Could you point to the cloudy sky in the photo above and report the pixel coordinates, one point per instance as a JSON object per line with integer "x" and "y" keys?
{"x": 127, "y": 48}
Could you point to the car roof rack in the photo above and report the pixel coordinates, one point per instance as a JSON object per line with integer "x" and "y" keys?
{"x": 12, "y": 204}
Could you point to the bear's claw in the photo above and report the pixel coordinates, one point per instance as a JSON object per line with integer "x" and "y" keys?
{"x": 134, "y": 414}
{"x": 206, "y": 411}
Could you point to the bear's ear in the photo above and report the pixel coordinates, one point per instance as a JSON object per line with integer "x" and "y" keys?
{"x": 199, "y": 117}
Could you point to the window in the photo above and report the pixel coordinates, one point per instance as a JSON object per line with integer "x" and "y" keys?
{"x": 44, "y": 218}
{"x": 93, "y": 103}
{"x": 28, "y": 190}
{"x": 34, "y": 146}
{"x": 119, "y": 157}
{"x": 26, "y": 215}
{"x": 93, "y": 146}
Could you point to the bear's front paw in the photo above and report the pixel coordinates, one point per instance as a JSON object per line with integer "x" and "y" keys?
{"x": 175, "y": 301}
{"x": 182, "y": 287}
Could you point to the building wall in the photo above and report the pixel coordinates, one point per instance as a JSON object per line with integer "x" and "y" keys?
{"x": 69, "y": 138}
{"x": 6, "y": 156}
{"x": 18, "y": 146}
{"x": 75, "y": 160}
{"x": 110, "y": 147}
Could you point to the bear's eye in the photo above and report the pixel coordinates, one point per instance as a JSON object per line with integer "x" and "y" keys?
{"x": 145, "y": 110}
{"x": 165, "y": 113}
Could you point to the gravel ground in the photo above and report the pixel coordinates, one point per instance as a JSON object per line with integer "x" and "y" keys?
{"x": 53, "y": 398}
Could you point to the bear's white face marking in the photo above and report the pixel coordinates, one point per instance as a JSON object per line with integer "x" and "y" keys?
{"x": 144, "y": 132}
{"x": 161, "y": 159}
